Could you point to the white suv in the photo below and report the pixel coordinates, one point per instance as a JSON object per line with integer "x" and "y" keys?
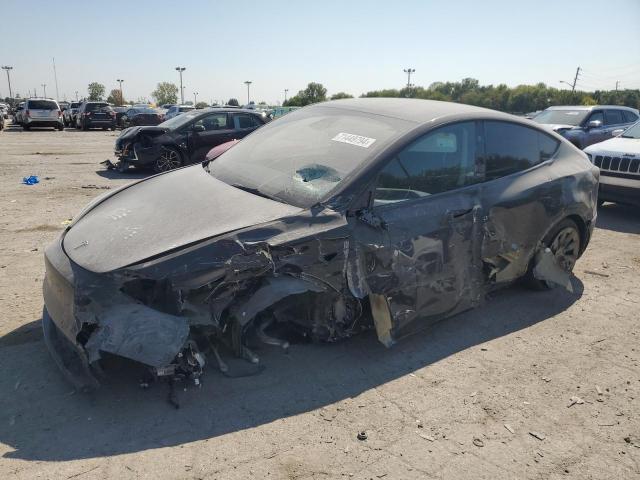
{"x": 41, "y": 112}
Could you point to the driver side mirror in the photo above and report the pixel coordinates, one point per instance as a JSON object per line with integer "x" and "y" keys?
{"x": 594, "y": 124}
{"x": 198, "y": 128}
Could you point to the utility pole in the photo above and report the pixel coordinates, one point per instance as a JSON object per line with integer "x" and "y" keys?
{"x": 76, "y": 95}
{"x": 119, "y": 80}
{"x": 44, "y": 88}
{"x": 195, "y": 98}
{"x": 409, "y": 71}
{"x": 248, "y": 83}
{"x": 180, "y": 70}
{"x": 575, "y": 81}
{"x": 55, "y": 77}
{"x": 617, "y": 84}
{"x": 8, "y": 69}
{"x": 286, "y": 90}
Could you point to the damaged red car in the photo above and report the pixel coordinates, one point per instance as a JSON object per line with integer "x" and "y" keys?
{"x": 388, "y": 214}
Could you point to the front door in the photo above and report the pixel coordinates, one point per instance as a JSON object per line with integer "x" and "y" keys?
{"x": 417, "y": 244}
{"x": 208, "y": 132}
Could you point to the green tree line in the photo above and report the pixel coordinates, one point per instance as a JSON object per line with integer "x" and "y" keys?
{"x": 519, "y": 99}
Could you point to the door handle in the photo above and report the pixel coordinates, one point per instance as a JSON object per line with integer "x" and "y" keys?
{"x": 460, "y": 212}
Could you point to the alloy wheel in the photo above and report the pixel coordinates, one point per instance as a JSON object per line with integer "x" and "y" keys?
{"x": 168, "y": 160}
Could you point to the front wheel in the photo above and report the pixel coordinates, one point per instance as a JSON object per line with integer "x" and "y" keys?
{"x": 564, "y": 242}
{"x": 168, "y": 160}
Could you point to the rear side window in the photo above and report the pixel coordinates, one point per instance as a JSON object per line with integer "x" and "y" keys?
{"x": 42, "y": 105}
{"x": 244, "y": 121}
{"x": 629, "y": 116}
{"x": 511, "y": 148}
{"x": 613, "y": 117}
{"x": 440, "y": 161}
{"x": 186, "y": 109}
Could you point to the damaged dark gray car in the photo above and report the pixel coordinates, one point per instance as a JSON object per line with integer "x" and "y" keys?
{"x": 365, "y": 213}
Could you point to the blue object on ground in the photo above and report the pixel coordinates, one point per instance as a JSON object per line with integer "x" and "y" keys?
{"x": 31, "y": 180}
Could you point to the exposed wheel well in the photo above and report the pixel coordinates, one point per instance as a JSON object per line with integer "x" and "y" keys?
{"x": 582, "y": 227}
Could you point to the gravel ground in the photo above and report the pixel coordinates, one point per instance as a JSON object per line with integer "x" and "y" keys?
{"x": 486, "y": 394}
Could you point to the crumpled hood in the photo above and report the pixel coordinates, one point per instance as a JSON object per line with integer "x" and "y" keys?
{"x": 616, "y": 147}
{"x": 130, "y": 133}
{"x": 162, "y": 213}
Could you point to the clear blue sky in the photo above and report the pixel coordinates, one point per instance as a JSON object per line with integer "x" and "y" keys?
{"x": 351, "y": 46}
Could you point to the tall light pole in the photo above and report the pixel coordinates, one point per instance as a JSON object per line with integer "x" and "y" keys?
{"x": 409, "y": 71}
{"x": 195, "y": 98}
{"x": 248, "y": 84}
{"x": 76, "y": 95}
{"x": 286, "y": 90}
{"x": 44, "y": 88}
{"x": 8, "y": 69}
{"x": 119, "y": 80}
{"x": 180, "y": 70}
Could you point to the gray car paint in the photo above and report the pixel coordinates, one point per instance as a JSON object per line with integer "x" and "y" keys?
{"x": 318, "y": 268}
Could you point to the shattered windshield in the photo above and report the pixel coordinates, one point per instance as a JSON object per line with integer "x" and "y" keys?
{"x": 562, "y": 117}
{"x": 302, "y": 156}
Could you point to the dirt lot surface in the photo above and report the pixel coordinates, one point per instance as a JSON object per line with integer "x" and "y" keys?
{"x": 486, "y": 394}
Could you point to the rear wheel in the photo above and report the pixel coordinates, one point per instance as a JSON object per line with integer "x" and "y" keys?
{"x": 26, "y": 127}
{"x": 168, "y": 160}
{"x": 564, "y": 242}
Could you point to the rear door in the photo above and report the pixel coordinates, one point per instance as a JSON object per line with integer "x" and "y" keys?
{"x": 519, "y": 196}
{"x": 614, "y": 120}
{"x": 208, "y": 132}
{"x": 416, "y": 248}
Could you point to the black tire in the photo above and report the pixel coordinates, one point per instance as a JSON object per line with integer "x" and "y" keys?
{"x": 26, "y": 127}
{"x": 60, "y": 127}
{"x": 169, "y": 159}
{"x": 112, "y": 128}
{"x": 565, "y": 241}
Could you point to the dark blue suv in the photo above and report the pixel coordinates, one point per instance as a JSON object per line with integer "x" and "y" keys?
{"x": 585, "y": 125}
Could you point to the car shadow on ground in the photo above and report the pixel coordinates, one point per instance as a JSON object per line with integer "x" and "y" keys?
{"x": 43, "y": 419}
{"x": 619, "y": 218}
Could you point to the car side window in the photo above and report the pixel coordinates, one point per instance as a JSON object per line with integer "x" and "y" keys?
{"x": 242, "y": 121}
{"x": 613, "y": 117}
{"x": 216, "y": 121}
{"x": 511, "y": 148}
{"x": 630, "y": 117}
{"x": 440, "y": 161}
{"x": 599, "y": 116}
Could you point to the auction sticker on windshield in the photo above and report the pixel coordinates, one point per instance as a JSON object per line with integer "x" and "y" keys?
{"x": 352, "y": 139}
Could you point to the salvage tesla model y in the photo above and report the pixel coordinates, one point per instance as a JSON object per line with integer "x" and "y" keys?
{"x": 388, "y": 214}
